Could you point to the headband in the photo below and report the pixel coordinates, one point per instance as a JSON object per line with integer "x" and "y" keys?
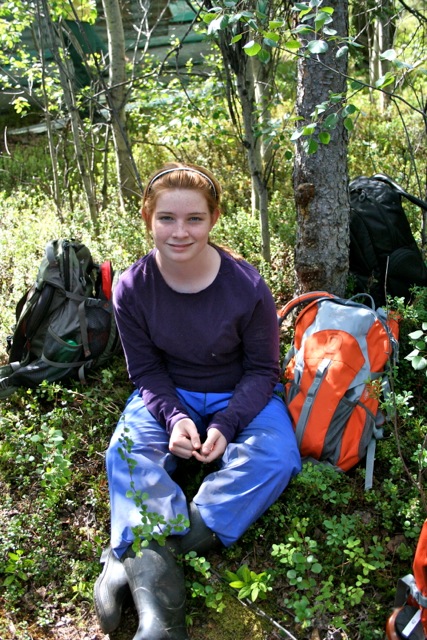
{"x": 162, "y": 173}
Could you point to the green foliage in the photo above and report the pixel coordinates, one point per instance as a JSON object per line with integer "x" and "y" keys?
{"x": 153, "y": 526}
{"x": 326, "y": 554}
{"x": 250, "y": 584}
{"x": 417, "y": 357}
{"x": 210, "y": 592}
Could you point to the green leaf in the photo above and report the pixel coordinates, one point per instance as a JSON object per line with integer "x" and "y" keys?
{"x": 317, "y": 46}
{"x": 316, "y": 568}
{"x": 209, "y": 17}
{"x": 415, "y": 335}
{"x": 264, "y": 56}
{"x": 320, "y": 21}
{"x": 349, "y": 109}
{"x": 236, "y": 38}
{"x": 252, "y": 48}
{"x": 254, "y": 594}
{"x": 312, "y": 146}
{"x": 302, "y": 29}
{"x": 324, "y": 137}
{"x": 309, "y": 129}
{"x": 331, "y": 121}
{"x": 419, "y": 363}
{"x": 269, "y": 35}
{"x": 412, "y": 355}
{"x": 237, "y": 584}
{"x": 276, "y": 24}
{"x": 244, "y": 593}
{"x": 384, "y": 81}
{"x": 348, "y": 124}
{"x": 269, "y": 43}
{"x": 342, "y": 51}
{"x": 293, "y": 45}
{"x": 390, "y": 54}
{"x": 215, "y": 25}
{"x": 296, "y": 135}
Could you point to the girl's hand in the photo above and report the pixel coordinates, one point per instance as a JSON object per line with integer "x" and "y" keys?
{"x": 212, "y": 448}
{"x": 185, "y": 439}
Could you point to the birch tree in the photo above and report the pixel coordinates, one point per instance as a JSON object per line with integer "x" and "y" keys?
{"x": 117, "y": 96}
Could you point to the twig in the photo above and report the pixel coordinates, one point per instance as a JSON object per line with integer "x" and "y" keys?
{"x": 262, "y": 614}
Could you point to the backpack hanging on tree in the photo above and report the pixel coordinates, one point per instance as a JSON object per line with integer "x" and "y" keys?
{"x": 334, "y": 374}
{"x": 384, "y": 256}
{"x": 64, "y": 324}
{"x": 409, "y": 618}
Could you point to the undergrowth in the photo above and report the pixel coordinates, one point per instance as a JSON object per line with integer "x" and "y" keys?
{"x": 325, "y": 558}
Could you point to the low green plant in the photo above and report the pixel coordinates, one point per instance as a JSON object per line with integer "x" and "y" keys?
{"x": 153, "y": 525}
{"x": 418, "y": 357}
{"x": 212, "y": 596}
{"x": 250, "y": 584}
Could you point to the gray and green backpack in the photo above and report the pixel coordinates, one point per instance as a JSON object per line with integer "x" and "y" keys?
{"x": 64, "y": 323}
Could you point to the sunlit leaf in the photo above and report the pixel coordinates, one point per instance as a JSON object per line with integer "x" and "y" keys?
{"x": 252, "y": 48}
{"x": 342, "y": 51}
{"x": 384, "y": 81}
{"x": 390, "y": 54}
{"x": 269, "y": 35}
{"x": 415, "y": 335}
{"x": 296, "y": 135}
{"x": 276, "y": 24}
{"x": 419, "y": 363}
{"x": 317, "y": 46}
{"x": 293, "y": 45}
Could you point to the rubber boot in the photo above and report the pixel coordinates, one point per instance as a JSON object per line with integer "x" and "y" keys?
{"x": 110, "y": 591}
{"x": 200, "y": 538}
{"x": 158, "y": 590}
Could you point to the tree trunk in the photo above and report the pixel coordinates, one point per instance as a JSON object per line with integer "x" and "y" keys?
{"x": 381, "y": 36}
{"x": 117, "y": 96}
{"x": 251, "y": 90}
{"x": 66, "y": 74}
{"x": 321, "y": 179}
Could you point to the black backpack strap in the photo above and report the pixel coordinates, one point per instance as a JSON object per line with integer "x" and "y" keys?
{"x": 383, "y": 178}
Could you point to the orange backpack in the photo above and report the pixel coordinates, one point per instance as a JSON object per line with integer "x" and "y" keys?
{"x": 334, "y": 374}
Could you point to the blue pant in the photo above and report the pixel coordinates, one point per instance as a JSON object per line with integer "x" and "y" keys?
{"x": 252, "y": 473}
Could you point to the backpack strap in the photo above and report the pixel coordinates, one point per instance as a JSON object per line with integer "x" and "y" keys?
{"x": 383, "y": 178}
{"x": 304, "y": 298}
{"x": 308, "y": 404}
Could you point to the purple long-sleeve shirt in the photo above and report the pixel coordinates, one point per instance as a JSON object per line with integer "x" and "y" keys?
{"x": 221, "y": 339}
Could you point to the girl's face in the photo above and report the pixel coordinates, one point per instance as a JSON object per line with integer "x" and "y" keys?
{"x": 181, "y": 224}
